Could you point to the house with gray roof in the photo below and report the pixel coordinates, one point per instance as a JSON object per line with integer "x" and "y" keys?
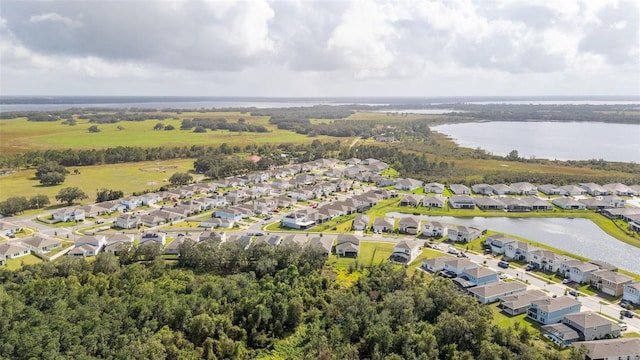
{"x": 434, "y": 187}
{"x": 434, "y": 229}
{"x": 411, "y": 200}
{"x": 567, "y": 203}
{"x": 405, "y": 251}
{"x": 515, "y": 205}
{"x": 360, "y": 222}
{"x": 519, "y": 303}
{"x": 519, "y": 251}
{"x": 347, "y": 245}
{"x": 490, "y": 293}
{"x": 537, "y": 204}
{"x": 459, "y": 189}
{"x": 487, "y": 203}
{"x": 462, "y": 202}
{"x": 578, "y": 271}
{"x": 631, "y": 292}
{"x": 550, "y": 189}
{"x": 552, "y": 310}
{"x": 408, "y": 184}
{"x": 572, "y": 190}
{"x": 499, "y": 243}
{"x": 41, "y": 243}
{"x": 384, "y": 224}
{"x": 409, "y": 225}
{"x": 324, "y": 243}
{"x": 610, "y": 282}
{"x": 591, "y": 326}
{"x": 594, "y": 189}
{"x": 437, "y": 201}
{"x": 611, "y": 349}
{"x": 502, "y": 189}
{"x": 482, "y": 189}
{"x": 436, "y": 264}
{"x": 524, "y": 188}
{"x": 620, "y": 189}
{"x": 465, "y": 234}
{"x": 12, "y": 250}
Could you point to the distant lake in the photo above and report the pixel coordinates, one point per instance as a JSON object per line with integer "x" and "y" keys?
{"x": 578, "y": 236}
{"x": 550, "y": 140}
{"x": 421, "y": 111}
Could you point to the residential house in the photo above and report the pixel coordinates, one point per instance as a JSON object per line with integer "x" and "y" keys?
{"x": 436, "y": 264}
{"x": 550, "y": 189}
{"x": 353, "y": 161}
{"x": 462, "y": 202}
{"x": 168, "y": 216}
{"x": 361, "y": 222}
{"x": 41, "y": 243}
{"x": 547, "y": 260}
{"x": 537, "y": 204}
{"x": 150, "y": 199}
{"x": 12, "y": 250}
{"x": 549, "y": 311}
{"x": 158, "y": 237}
{"x": 324, "y": 243}
{"x": 174, "y": 247}
{"x": 408, "y": 184}
{"x": 487, "y": 203}
{"x": 594, "y": 203}
{"x": 631, "y": 292}
{"x": 229, "y": 214}
{"x": 69, "y": 214}
{"x": 476, "y": 276}
{"x": 297, "y": 220}
{"x": 464, "y": 233}
{"x": 151, "y": 220}
{"x": 568, "y": 204}
{"x": 499, "y": 243}
{"x": 459, "y": 189}
{"x": 572, "y": 190}
{"x": 217, "y": 223}
{"x": 7, "y": 228}
{"x": 383, "y": 224}
{"x": 411, "y": 200}
{"x": 524, "y": 188}
{"x": 578, "y": 271}
{"x": 409, "y": 225}
{"x": 519, "y": 251}
{"x": 434, "y": 201}
{"x": 519, "y": 303}
{"x": 458, "y": 265}
{"x": 131, "y": 202}
{"x": 347, "y": 245}
{"x": 611, "y": 349}
{"x": 406, "y": 251}
{"x": 620, "y": 189}
{"x": 108, "y": 207}
{"x": 297, "y": 239}
{"x": 434, "y": 187}
{"x": 491, "y": 292}
{"x": 594, "y": 189}
{"x": 610, "y": 282}
{"x": 127, "y": 221}
{"x": 614, "y": 201}
{"x": 88, "y": 245}
{"x": 502, "y": 189}
{"x": 434, "y": 229}
{"x": 591, "y": 326}
{"x": 515, "y": 205}
{"x": 482, "y": 189}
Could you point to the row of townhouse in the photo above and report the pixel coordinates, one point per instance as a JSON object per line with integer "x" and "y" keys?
{"x": 601, "y": 276}
{"x": 525, "y": 188}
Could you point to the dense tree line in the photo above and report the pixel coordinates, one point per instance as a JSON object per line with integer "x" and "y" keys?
{"x": 101, "y": 309}
{"x": 221, "y": 124}
{"x": 17, "y": 204}
{"x": 94, "y": 115}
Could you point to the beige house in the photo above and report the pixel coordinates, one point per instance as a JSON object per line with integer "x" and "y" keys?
{"x": 610, "y": 282}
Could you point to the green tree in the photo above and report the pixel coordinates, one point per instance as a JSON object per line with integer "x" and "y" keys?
{"x": 94, "y": 129}
{"x": 71, "y": 194}
{"x": 200, "y": 129}
{"x": 52, "y": 178}
{"x": 158, "y": 126}
{"x": 38, "y": 201}
{"x": 169, "y": 127}
{"x": 14, "y": 205}
{"x": 513, "y": 155}
{"x": 108, "y": 195}
{"x": 178, "y": 179}
{"x": 106, "y": 263}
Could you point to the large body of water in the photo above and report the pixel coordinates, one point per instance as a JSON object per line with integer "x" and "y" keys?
{"x": 550, "y": 140}
{"x": 578, "y": 236}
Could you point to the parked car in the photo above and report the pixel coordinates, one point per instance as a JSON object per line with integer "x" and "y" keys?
{"x": 624, "y": 304}
{"x": 529, "y": 267}
{"x": 622, "y": 326}
{"x": 628, "y": 314}
{"x": 573, "y": 293}
{"x": 503, "y": 276}
{"x": 487, "y": 251}
{"x": 503, "y": 264}
{"x": 566, "y": 281}
{"x": 452, "y": 250}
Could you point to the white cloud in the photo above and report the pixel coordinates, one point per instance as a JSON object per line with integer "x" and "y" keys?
{"x": 55, "y": 18}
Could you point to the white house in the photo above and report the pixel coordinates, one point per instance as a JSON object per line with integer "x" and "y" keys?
{"x": 568, "y": 204}
{"x": 464, "y": 233}
{"x": 409, "y": 225}
{"x": 383, "y": 224}
{"x": 12, "y": 250}
{"x": 578, "y": 271}
{"x": 434, "y": 188}
{"x": 408, "y": 184}
{"x": 69, "y": 214}
{"x": 297, "y": 220}
{"x": 406, "y": 251}
{"x": 462, "y": 202}
{"x": 434, "y": 229}
{"x": 158, "y": 237}
{"x": 499, "y": 243}
{"x": 631, "y": 292}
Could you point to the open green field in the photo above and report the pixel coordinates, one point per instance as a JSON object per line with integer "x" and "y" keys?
{"x": 127, "y": 177}
{"x": 20, "y": 135}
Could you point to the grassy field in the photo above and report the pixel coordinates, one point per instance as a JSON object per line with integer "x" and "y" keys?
{"x": 14, "y": 264}
{"x": 127, "y": 177}
{"x": 21, "y": 135}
